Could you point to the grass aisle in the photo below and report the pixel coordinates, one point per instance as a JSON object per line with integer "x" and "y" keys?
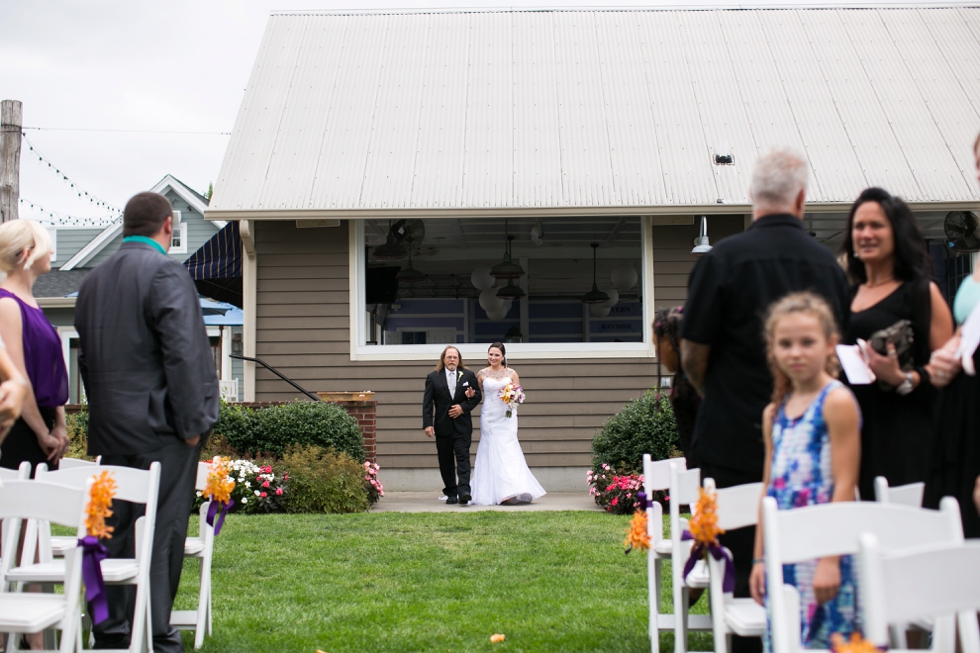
{"x": 550, "y": 581}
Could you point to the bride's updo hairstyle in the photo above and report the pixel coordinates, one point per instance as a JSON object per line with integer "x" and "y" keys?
{"x": 503, "y": 351}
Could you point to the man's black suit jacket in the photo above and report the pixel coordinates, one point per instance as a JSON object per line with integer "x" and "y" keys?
{"x": 145, "y": 355}
{"x": 436, "y": 402}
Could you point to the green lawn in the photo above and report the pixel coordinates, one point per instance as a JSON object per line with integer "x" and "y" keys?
{"x": 550, "y": 581}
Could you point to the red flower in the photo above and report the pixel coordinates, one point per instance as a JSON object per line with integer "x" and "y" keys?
{"x": 613, "y": 502}
{"x": 262, "y": 495}
{"x": 285, "y": 477}
{"x": 266, "y": 484}
{"x": 278, "y": 491}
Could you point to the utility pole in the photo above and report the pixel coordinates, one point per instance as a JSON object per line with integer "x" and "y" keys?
{"x": 11, "y": 121}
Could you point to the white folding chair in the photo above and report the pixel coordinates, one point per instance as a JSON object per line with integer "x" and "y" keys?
{"x": 831, "y": 529}
{"x": 656, "y": 478}
{"x": 202, "y": 548}
{"x": 70, "y": 463}
{"x": 136, "y": 486}
{"x": 737, "y": 507}
{"x": 932, "y": 581}
{"x": 903, "y": 495}
{"x": 22, "y": 613}
{"x": 56, "y": 546}
{"x": 22, "y": 473}
{"x": 684, "y": 486}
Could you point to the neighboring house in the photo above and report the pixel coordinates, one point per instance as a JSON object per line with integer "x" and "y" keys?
{"x": 561, "y": 128}
{"x": 79, "y": 250}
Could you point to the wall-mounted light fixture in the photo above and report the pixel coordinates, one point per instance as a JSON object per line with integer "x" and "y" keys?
{"x": 701, "y": 244}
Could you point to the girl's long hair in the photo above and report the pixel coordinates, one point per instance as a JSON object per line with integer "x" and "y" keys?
{"x": 801, "y": 302}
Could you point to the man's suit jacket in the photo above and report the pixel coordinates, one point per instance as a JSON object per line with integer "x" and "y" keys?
{"x": 145, "y": 355}
{"x": 437, "y": 400}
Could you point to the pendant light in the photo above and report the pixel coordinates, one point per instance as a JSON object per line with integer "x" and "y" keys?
{"x": 390, "y": 251}
{"x": 410, "y": 274}
{"x": 507, "y": 269}
{"x": 594, "y": 296}
{"x": 510, "y": 291}
{"x": 701, "y": 244}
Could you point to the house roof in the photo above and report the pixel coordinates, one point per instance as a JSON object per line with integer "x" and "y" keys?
{"x": 107, "y": 235}
{"x": 58, "y": 283}
{"x": 521, "y": 112}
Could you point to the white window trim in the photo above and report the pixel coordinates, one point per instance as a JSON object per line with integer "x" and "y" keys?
{"x": 515, "y": 351}
{"x": 66, "y": 334}
{"x": 181, "y": 230}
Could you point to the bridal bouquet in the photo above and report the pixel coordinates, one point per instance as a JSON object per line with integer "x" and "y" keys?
{"x": 513, "y": 395}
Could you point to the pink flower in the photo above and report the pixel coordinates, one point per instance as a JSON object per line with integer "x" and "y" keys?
{"x": 285, "y": 477}
{"x": 613, "y": 502}
{"x": 278, "y": 491}
{"x": 266, "y": 484}
{"x": 262, "y": 494}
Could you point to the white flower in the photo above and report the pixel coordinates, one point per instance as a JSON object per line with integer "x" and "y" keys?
{"x": 244, "y": 501}
{"x": 198, "y": 494}
{"x": 256, "y": 492}
{"x": 248, "y": 484}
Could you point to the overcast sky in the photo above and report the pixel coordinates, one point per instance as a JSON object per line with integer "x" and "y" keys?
{"x": 174, "y": 66}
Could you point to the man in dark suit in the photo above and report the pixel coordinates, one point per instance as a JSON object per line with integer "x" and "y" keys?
{"x": 153, "y": 394}
{"x": 451, "y": 394}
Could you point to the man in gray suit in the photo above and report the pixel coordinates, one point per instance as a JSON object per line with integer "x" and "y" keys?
{"x": 153, "y": 394}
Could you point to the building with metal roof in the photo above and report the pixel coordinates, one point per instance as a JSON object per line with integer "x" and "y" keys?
{"x": 453, "y": 136}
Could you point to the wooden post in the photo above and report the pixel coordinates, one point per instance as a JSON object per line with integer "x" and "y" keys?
{"x": 11, "y": 121}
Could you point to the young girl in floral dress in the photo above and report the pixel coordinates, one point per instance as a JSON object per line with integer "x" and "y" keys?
{"x": 813, "y": 450}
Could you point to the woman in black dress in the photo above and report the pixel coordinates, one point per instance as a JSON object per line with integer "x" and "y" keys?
{"x": 888, "y": 260}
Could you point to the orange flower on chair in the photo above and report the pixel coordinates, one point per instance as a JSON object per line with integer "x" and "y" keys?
{"x": 219, "y": 485}
{"x": 704, "y": 523}
{"x": 100, "y": 506}
{"x": 857, "y": 644}
{"x": 637, "y": 536}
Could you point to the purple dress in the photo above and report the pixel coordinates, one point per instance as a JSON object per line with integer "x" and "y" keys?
{"x": 45, "y": 367}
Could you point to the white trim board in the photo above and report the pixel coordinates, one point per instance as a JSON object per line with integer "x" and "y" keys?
{"x": 185, "y": 193}
{"x": 94, "y": 246}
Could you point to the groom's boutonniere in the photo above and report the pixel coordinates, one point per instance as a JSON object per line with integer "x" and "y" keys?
{"x": 459, "y": 375}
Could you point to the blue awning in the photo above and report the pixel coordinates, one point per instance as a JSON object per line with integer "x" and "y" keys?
{"x": 216, "y": 267}
{"x": 234, "y": 317}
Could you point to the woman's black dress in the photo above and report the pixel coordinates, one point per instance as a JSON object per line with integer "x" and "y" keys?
{"x": 955, "y": 462}
{"x": 896, "y": 430}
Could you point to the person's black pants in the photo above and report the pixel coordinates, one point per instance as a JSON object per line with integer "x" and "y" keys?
{"x": 454, "y": 462}
{"x": 740, "y": 542}
{"x": 178, "y": 463}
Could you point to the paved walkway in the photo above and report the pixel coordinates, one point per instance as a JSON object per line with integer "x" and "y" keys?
{"x": 429, "y": 502}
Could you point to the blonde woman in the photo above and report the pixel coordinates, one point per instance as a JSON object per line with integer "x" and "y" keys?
{"x": 34, "y": 347}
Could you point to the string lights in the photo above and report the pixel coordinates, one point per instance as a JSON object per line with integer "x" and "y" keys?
{"x": 82, "y": 194}
{"x": 56, "y": 219}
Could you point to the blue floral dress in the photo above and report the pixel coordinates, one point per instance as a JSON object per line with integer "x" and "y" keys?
{"x": 802, "y": 475}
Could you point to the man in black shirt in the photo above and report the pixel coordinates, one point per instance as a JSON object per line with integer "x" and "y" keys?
{"x": 723, "y": 349}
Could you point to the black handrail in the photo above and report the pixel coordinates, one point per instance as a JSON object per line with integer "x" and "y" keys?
{"x": 277, "y": 373}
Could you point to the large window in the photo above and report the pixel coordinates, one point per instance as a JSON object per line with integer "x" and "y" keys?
{"x": 572, "y": 286}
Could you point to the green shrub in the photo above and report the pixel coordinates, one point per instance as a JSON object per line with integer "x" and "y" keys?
{"x": 645, "y": 425}
{"x": 322, "y": 481}
{"x": 318, "y": 424}
{"x": 236, "y": 426}
{"x": 77, "y": 426}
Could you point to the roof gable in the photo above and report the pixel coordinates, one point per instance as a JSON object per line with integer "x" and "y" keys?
{"x": 491, "y": 111}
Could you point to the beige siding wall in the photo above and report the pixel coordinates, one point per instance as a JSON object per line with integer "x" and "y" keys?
{"x": 303, "y": 329}
{"x": 672, "y": 258}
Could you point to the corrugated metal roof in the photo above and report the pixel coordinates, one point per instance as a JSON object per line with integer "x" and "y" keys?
{"x": 509, "y": 110}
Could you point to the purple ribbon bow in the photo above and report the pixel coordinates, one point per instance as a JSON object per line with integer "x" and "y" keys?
{"x": 93, "y": 553}
{"x": 213, "y": 510}
{"x": 718, "y": 553}
{"x": 645, "y": 503}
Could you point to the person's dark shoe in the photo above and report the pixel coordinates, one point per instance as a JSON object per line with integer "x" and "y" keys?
{"x": 464, "y": 499}
{"x": 451, "y": 500}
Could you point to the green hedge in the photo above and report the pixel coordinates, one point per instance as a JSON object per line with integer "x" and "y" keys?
{"x": 323, "y": 481}
{"x": 645, "y": 425}
{"x": 271, "y": 431}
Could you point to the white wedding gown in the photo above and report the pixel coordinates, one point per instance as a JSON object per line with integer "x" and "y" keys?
{"x": 500, "y": 473}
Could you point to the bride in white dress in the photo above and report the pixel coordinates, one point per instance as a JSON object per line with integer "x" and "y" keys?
{"x": 501, "y": 474}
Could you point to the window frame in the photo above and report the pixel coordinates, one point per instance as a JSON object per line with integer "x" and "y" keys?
{"x": 180, "y": 230}
{"x": 360, "y": 351}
